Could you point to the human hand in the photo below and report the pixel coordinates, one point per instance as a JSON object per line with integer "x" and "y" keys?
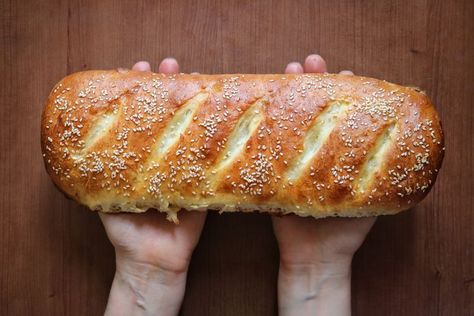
{"x": 152, "y": 254}
{"x": 316, "y": 254}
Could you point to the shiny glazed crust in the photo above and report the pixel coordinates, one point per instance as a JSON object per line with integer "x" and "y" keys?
{"x": 313, "y": 144}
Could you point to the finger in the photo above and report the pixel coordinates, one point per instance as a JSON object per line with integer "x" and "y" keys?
{"x": 315, "y": 64}
{"x": 294, "y": 68}
{"x": 347, "y": 72}
{"x": 169, "y": 66}
{"x": 142, "y": 66}
{"x": 194, "y": 219}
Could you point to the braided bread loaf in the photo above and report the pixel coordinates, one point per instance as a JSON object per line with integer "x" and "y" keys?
{"x": 313, "y": 144}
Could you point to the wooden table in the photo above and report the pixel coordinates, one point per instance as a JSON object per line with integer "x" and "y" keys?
{"x": 55, "y": 257}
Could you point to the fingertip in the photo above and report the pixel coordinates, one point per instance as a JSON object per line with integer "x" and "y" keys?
{"x": 294, "y": 68}
{"x": 123, "y": 70}
{"x": 346, "y": 72}
{"x": 142, "y": 66}
{"x": 314, "y": 63}
{"x": 169, "y": 66}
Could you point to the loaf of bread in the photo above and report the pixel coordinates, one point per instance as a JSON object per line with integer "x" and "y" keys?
{"x": 312, "y": 144}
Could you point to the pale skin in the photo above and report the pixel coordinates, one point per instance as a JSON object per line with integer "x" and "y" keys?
{"x": 153, "y": 254}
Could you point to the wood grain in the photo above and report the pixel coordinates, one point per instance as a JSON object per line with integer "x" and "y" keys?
{"x": 55, "y": 258}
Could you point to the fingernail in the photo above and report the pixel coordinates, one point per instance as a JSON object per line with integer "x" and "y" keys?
{"x": 346, "y": 72}
{"x": 314, "y": 57}
{"x": 294, "y": 67}
{"x": 170, "y": 59}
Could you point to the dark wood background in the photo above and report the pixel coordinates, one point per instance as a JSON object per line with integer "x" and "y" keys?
{"x": 55, "y": 257}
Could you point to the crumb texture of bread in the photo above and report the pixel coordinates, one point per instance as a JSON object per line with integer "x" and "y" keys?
{"x": 313, "y": 144}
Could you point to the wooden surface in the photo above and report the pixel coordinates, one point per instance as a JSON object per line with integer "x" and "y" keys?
{"x": 55, "y": 257}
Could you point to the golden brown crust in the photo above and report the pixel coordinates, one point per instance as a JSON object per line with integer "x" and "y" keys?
{"x": 314, "y": 144}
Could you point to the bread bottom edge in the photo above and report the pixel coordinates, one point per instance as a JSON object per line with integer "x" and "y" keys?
{"x": 172, "y": 211}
